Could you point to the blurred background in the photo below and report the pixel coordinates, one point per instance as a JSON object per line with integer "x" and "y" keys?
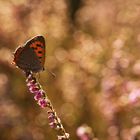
{"x": 93, "y": 47}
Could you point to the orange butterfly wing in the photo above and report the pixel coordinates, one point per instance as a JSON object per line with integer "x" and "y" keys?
{"x": 37, "y": 43}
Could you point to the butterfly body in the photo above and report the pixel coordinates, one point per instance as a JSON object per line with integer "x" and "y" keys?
{"x": 31, "y": 56}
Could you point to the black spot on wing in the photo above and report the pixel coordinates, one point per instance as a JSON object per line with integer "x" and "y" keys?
{"x": 38, "y": 45}
{"x": 40, "y": 52}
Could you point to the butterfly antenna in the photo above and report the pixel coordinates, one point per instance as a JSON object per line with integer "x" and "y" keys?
{"x": 53, "y": 74}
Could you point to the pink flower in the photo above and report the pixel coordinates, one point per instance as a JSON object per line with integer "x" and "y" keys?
{"x": 43, "y": 102}
{"x": 34, "y": 89}
{"x": 38, "y": 96}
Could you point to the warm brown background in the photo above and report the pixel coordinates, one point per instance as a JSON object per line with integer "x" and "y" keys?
{"x": 93, "y": 47}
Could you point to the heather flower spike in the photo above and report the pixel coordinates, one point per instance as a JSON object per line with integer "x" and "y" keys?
{"x": 43, "y": 101}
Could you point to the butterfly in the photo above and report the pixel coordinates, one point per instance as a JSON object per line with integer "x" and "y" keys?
{"x": 30, "y": 57}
